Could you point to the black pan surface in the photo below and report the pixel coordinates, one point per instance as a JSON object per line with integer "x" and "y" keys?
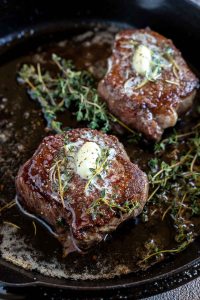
{"x": 20, "y": 28}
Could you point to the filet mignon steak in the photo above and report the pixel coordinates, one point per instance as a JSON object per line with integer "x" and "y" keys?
{"x": 148, "y": 84}
{"x": 83, "y": 184}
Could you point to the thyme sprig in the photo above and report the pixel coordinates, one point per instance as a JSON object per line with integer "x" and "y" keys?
{"x": 34, "y": 227}
{"x": 155, "y": 251}
{"x": 67, "y": 88}
{"x": 11, "y": 224}
{"x": 60, "y": 184}
{"x": 175, "y": 187}
{"x": 160, "y": 60}
{"x": 97, "y": 205}
{"x": 7, "y": 205}
{"x": 101, "y": 164}
{"x": 61, "y": 172}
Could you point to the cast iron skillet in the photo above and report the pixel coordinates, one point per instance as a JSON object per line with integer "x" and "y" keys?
{"x": 178, "y": 19}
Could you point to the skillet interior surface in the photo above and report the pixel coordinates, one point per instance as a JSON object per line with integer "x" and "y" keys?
{"x": 172, "y": 268}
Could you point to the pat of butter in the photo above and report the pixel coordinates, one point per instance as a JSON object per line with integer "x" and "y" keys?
{"x": 86, "y": 159}
{"x": 142, "y": 60}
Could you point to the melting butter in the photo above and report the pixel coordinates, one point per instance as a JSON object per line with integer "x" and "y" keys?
{"x": 142, "y": 60}
{"x": 86, "y": 159}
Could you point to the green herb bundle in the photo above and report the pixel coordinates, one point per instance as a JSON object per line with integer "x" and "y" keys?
{"x": 175, "y": 190}
{"x": 64, "y": 89}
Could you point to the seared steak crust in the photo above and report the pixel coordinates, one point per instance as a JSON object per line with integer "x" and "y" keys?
{"x": 81, "y": 211}
{"x": 148, "y": 106}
